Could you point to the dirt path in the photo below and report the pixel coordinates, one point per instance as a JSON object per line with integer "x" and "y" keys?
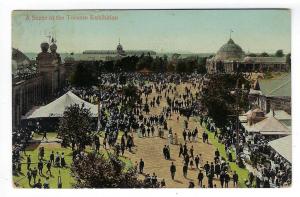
{"x": 150, "y": 150}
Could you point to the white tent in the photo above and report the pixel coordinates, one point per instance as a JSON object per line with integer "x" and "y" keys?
{"x": 283, "y": 146}
{"x": 268, "y": 126}
{"x": 56, "y": 108}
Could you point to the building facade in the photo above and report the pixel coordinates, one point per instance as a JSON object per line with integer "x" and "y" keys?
{"x": 272, "y": 94}
{"x": 109, "y": 55}
{"x": 231, "y": 58}
{"x": 35, "y": 84}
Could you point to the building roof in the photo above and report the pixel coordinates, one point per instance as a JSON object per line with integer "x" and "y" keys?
{"x": 283, "y": 146}
{"x": 280, "y": 87}
{"x": 268, "y": 126}
{"x": 265, "y": 60}
{"x": 18, "y": 59}
{"x": 283, "y": 117}
{"x": 279, "y": 115}
{"x": 229, "y": 52}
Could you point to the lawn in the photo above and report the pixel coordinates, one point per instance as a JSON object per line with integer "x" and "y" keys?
{"x": 21, "y": 180}
{"x": 242, "y": 172}
{"x": 67, "y": 180}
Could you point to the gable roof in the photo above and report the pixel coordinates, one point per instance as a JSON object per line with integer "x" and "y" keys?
{"x": 269, "y": 126}
{"x": 280, "y": 87}
{"x": 283, "y": 146}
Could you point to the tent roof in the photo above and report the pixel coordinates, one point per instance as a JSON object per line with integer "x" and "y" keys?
{"x": 57, "y": 107}
{"x": 269, "y": 125}
{"x": 283, "y": 146}
{"x": 279, "y": 115}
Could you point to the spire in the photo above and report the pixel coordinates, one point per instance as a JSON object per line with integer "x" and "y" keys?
{"x": 231, "y": 31}
{"x": 119, "y": 40}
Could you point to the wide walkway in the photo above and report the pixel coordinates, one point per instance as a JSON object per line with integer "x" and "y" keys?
{"x": 150, "y": 150}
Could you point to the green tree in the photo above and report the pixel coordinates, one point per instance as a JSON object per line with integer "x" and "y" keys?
{"x": 279, "y": 53}
{"x": 252, "y": 55}
{"x": 84, "y": 75}
{"x": 217, "y": 98}
{"x": 75, "y": 127}
{"x": 96, "y": 171}
{"x": 264, "y": 54}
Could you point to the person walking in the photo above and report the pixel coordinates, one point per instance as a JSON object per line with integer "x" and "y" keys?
{"x": 40, "y": 167}
{"x": 235, "y": 178}
{"x": 34, "y": 174}
{"x": 173, "y": 170}
{"x": 180, "y": 150}
{"x": 222, "y": 178}
{"x": 44, "y": 136}
{"x": 185, "y": 170}
{"x": 175, "y": 139}
{"x": 227, "y": 179}
{"x": 197, "y": 161}
{"x": 200, "y": 178}
{"x": 206, "y": 168}
{"x": 52, "y": 158}
{"x": 141, "y": 166}
{"x": 29, "y": 176}
{"x": 63, "y": 161}
{"x": 48, "y": 167}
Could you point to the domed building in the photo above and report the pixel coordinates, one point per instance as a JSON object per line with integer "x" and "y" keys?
{"x": 231, "y": 58}
{"x": 229, "y": 52}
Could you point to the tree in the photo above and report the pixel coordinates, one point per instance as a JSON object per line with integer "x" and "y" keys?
{"x": 96, "y": 171}
{"x": 75, "y": 127}
{"x": 252, "y": 55}
{"x": 264, "y": 54}
{"x": 218, "y": 100}
{"x": 84, "y": 75}
{"x": 279, "y": 53}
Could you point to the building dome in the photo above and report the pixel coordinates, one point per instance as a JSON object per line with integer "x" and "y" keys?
{"x": 44, "y": 46}
{"x": 53, "y": 47}
{"x": 120, "y": 50}
{"x": 119, "y": 47}
{"x": 230, "y": 52}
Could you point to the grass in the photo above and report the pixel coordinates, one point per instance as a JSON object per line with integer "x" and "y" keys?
{"x": 242, "y": 172}
{"x": 67, "y": 180}
{"x": 21, "y": 180}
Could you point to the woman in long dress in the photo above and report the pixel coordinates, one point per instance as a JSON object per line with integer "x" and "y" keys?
{"x": 175, "y": 139}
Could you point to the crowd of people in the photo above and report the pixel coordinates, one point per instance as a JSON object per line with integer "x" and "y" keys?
{"x": 269, "y": 168}
{"x": 130, "y": 114}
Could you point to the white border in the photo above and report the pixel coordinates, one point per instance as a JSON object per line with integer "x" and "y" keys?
{"x": 5, "y": 87}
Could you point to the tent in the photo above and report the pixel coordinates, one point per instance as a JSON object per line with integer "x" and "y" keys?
{"x": 268, "y": 126}
{"x": 57, "y": 107}
{"x": 283, "y": 146}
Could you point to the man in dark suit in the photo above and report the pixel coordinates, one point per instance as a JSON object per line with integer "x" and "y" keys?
{"x": 173, "y": 170}
{"x": 200, "y": 178}
{"x": 142, "y": 164}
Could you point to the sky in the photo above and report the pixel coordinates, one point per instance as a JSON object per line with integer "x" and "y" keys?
{"x": 195, "y": 31}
